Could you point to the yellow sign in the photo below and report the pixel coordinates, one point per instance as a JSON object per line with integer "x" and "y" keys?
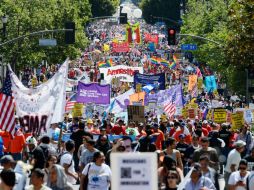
{"x": 185, "y": 113}
{"x": 78, "y": 110}
{"x": 200, "y": 83}
{"x": 220, "y": 115}
{"x": 138, "y": 87}
{"x": 209, "y": 115}
{"x": 237, "y": 120}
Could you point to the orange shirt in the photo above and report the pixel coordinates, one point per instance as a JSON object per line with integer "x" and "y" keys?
{"x": 6, "y": 140}
{"x": 187, "y": 139}
{"x": 159, "y": 140}
{"x": 17, "y": 144}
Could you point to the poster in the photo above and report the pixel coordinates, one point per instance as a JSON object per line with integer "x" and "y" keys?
{"x": 93, "y": 93}
{"x": 138, "y": 99}
{"x": 237, "y": 120}
{"x": 132, "y": 171}
{"x": 78, "y": 110}
{"x": 157, "y": 80}
{"x": 136, "y": 114}
{"x": 120, "y": 47}
{"x": 125, "y": 73}
{"x": 192, "y": 82}
{"x": 220, "y": 115}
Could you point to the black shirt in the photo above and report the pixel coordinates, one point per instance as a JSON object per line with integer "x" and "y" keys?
{"x": 224, "y": 134}
{"x": 38, "y": 155}
{"x": 249, "y": 158}
{"x": 77, "y": 137}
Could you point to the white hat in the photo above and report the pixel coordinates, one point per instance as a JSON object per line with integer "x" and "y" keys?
{"x": 239, "y": 144}
{"x": 31, "y": 140}
{"x": 205, "y": 122}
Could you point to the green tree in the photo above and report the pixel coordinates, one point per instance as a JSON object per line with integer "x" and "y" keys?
{"x": 25, "y": 16}
{"x": 240, "y": 41}
{"x": 104, "y": 7}
{"x": 161, "y": 8}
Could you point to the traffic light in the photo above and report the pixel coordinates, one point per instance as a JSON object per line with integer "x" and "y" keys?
{"x": 171, "y": 36}
{"x": 123, "y": 18}
{"x": 70, "y": 35}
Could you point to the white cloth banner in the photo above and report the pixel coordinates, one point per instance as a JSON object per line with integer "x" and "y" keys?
{"x": 39, "y": 107}
{"x": 120, "y": 103}
{"x": 125, "y": 73}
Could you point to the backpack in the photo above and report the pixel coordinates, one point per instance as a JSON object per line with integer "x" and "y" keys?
{"x": 45, "y": 152}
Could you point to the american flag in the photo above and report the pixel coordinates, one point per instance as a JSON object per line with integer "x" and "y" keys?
{"x": 170, "y": 107}
{"x": 70, "y": 103}
{"x": 7, "y": 114}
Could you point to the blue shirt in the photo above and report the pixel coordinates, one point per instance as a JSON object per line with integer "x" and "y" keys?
{"x": 202, "y": 182}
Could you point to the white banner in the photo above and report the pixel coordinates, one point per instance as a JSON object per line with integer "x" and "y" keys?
{"x": 39, "y": 107}
{"x": 125, "y": 73}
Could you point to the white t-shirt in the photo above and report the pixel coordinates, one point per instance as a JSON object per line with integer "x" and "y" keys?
{"x": 67, "y": 158}
{"x": 234, "y": 158}
{"x": 251, "y": 180}
{"x": 235, "y": 177}
{"x": 99, "y": 177}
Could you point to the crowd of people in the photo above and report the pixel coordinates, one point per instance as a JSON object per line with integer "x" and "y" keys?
{"x": 198, "y": 152}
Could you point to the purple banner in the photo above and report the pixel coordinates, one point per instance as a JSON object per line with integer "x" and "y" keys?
{"x": 93, "y": 93}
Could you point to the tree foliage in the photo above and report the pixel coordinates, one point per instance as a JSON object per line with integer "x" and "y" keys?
{"x": 240, "y": 41}
{"x": 25, "y": 16}
{"x": 103, "y": 7}
{"x": 161, "y": 8}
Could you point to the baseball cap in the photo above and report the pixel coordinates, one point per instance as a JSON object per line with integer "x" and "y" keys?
{"x": 31, "y": 140}
{"x": 6, "y": 159}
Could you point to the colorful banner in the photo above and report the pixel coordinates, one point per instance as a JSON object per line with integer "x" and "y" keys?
{"x": 157, "y": 80}
{"x": 220, "y": 115}
{"x": 210, "y": 83}
{"x": 192, "y": 82}
{"x": 128, "y": 33}
{"x": 137, "y": 99}
{"x": 136, "y": 33}
{"x": 93, "y": 93}
{"x": 39, "y": 107}
{"x": 152, "y": 38}
{"x": 125, "y": 73}
{"x": 120, "y": 47}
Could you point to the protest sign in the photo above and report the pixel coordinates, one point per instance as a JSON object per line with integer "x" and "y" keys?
{"x": 192, "y": 82}
{"x": 220, "y": 115}
{"x": 157, "y": 80}
{"x": 152, "y": 38}
{"x": 138, "y": 99}
{"x": 125, "y": 73}
{"x": 248, "y": 116}
{"x": 210, "y": 83}
{"x": 136, "y": 113}
{"x": 37, "y": 108}
{"x": 237, "y": 120}
{"x": 134, "y": 171}
{"x": 120, "y": 47}
{"x": 78, "y": 110}
{"x": 185, "y": 112}
{"x": 200, "y": 83}
{"x": 93, "y": 93}
{"x": 191, "y": 113}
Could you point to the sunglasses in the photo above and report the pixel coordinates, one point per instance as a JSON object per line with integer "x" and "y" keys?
{"x": 172, "y": 177}
{"x": 242, "y": 168}
{"x": 104, "y": 140}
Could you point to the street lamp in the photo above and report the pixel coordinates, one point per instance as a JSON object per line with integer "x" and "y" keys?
{"x": 4, "y": 21}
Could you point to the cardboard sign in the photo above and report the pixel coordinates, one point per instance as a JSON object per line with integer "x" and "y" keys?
{"x": 132, "y": 171}
{"x": 136, "y": 113}
{"x": 120, "y": 47}
{"x": 220, "y": 115}
{"x": 191, "y": 113}
{"x": 78, "y": 110}
{"x": 237, "y": 120}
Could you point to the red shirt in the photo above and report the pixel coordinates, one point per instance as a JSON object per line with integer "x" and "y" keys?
{"x": 6, "y": 140}
{"x": 205, "y": 131}
{"x": 159, "y": 140}
{"x": 118, "y": 130}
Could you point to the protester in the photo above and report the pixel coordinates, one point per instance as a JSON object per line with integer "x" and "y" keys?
{"x": 7, "y": 179}
{"x": 238, "y": 179}
{"x": 233, "y": 160}
{"x": 50, "y": 162}
{"x": 57, "y": 179}
{"x": 67, "y": 162}
{"x": 197, "y": 181}
{"x": 96, "y": 172}
{"x": 37, "y": 181}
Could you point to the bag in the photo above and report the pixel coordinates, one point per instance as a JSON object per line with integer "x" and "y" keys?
{"x": 45, "y": 152}
{"x": 85, "y": 184}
